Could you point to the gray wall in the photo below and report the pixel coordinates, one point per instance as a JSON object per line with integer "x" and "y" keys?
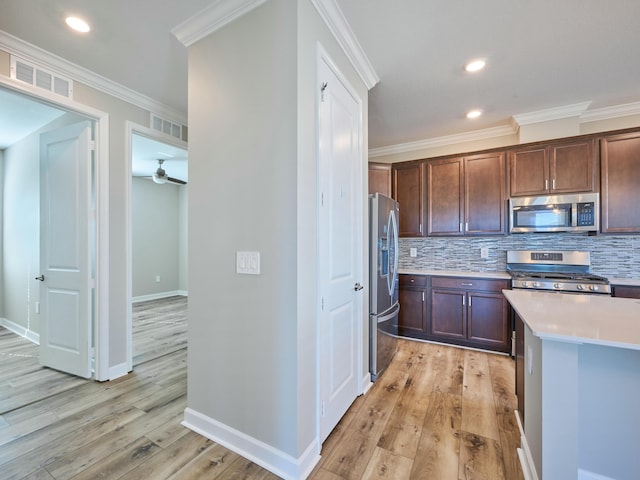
{"x": 252, "y": 150}
{"x": 616, "y": 256}
{"x": 158, "y": 238}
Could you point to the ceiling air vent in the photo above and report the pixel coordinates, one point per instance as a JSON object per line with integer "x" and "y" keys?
{"x": 39, "y": 77}
{"x": 169, "y": 128}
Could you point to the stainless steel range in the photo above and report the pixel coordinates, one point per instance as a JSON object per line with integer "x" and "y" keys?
{"x": 558, "y": 271}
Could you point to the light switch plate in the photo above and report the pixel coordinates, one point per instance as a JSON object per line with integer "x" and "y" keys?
{"x": 248, "y": 263}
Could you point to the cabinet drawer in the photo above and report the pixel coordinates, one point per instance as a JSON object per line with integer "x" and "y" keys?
{"x": 469, "y": 283}
{"x": 417, "y": 280}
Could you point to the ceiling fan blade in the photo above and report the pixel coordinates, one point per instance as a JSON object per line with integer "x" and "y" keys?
{"x": 176, "y": 180}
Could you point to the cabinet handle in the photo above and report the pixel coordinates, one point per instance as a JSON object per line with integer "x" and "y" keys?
{"x": 463, "y": 302}
{"x": 553, "y": 184}
{"x": 422, "y": 297}
{"x": 469, "y": 302}
{"x": 546, "y": 184}
{"x": 467, "y": 284}
{"x": 460, "y": 227}
{"x": 420, "y": 228}
{"x": 466, "y": 227}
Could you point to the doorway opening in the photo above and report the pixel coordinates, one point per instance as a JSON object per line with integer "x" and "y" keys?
{"x": 157, "y": 244}
{"x": 28, "y": 147}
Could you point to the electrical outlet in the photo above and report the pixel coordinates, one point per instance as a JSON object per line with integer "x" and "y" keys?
{"x": 413, "y": 252}
{"x": 484, "y": 252}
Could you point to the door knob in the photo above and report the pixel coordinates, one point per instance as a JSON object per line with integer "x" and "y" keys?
{"x": 357, "y": 287}
{"x": 41, "y": 278}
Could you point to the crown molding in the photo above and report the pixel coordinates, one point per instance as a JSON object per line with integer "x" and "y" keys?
{"x": 555, "y": 113}
{"x": 607, "y": 113}
{"x": 339, "y": 27}
{"x": 475, "y": 135}
{"x": 15, "y": 46}
{"x": 212, "y": 18}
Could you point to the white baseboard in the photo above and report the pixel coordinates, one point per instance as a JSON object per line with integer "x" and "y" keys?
{"x": 30, "y": 335}
{"x": 366, "y": 383}
{"x": 524, "y": 453}
{"x": 118, "y": 371}
{"x": 268, "y": 457}
{"x": 158, "y": 296}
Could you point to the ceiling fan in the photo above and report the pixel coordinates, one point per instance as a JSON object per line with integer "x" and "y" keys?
{"x": 160, "y": 175}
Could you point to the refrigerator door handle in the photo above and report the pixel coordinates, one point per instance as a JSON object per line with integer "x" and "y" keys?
{"x": 389, "y": 316}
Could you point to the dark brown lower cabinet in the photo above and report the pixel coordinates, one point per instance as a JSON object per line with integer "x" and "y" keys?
{"x": 470, "y": 312}
{"x": 626, "y": 291}
{"x": 413, "y": 294}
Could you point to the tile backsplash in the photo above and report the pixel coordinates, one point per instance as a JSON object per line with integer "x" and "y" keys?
{"x": 611, "y": 256}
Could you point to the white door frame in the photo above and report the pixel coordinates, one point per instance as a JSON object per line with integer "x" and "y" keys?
{"x": 101, "y": 179}
{"x": 133, "y": 128}
{"x": 322, "y": 56}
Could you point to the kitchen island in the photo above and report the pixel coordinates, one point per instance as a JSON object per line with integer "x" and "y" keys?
{"x": 581, "y": 385}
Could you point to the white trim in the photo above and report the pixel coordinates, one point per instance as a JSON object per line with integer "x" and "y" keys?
{"x": 606, "y": 113}
{"x": 101, "y": 280}
{"x": 21, "y": 331}
{"x": 443, "y": 141}
{"x": 337, "y": 23}
{"x": 65, "y": 68}
{"x": 274, "y": 460}
{"x": 524, "y": 453}
{"x": 118, "y": 371}
{"x": 555, "y": 113}
{"x": 212, "y": 18}
{"x": 159, "y": 296}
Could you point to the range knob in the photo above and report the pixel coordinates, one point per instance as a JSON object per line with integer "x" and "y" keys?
{"x": 557, "y": 286}
{"x": 525, "y": 284}
{"x": 593, "y": 288}
{"x": 536, "y": 284}
{"x": 580, "y": 286}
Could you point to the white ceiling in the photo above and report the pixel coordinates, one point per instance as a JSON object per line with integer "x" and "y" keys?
{"x": 541, "y": 54}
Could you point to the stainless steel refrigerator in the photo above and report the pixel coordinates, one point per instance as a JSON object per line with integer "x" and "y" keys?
{"x": 383, "y": 270}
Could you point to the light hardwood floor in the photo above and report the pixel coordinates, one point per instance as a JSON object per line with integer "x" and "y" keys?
{"x": 437, "y": 413}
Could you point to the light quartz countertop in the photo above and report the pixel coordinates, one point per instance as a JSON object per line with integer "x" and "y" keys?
{"x": 591, "y": 319}
{"x": 455, "y": 273}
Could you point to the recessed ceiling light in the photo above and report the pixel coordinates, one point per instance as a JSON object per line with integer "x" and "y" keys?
{"x": 474, "y": 114}
{"x": 77, "y": 24}
{"x": 475, "y": 65}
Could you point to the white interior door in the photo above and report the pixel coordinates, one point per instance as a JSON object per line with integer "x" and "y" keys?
{"x": 65, "y": 253}
{"x": 340, "y": 245}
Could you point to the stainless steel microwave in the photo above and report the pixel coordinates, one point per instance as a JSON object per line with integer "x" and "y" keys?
{"x": 555, "y": 213}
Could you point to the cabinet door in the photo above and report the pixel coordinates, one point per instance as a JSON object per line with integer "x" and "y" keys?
{"x": 484, "y": 194}
{"x": 572, "y": 167}
{"x": 445, "y": 197}
{"x": 620, "y": 163}
{"x": 529, "y": 171}
{"x": 447, "y": 318}
{"x": 408, "y": 191}
{"x": 380, "y": 178}
{"x": 488, "y": 320}
{"x": 626, "y": 291}
{"x": 413, "y": 312}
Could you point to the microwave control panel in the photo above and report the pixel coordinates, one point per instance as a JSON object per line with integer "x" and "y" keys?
{"x": 586, "y": 214}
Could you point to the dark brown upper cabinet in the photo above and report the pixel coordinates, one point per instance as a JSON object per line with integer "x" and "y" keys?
{"x": 408, "y": 191}
{"x": 620, "y": 198}
{"x": 466, "y": 195}
{"x": 563, "y": 167}
{"x": 380, "y": 178}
